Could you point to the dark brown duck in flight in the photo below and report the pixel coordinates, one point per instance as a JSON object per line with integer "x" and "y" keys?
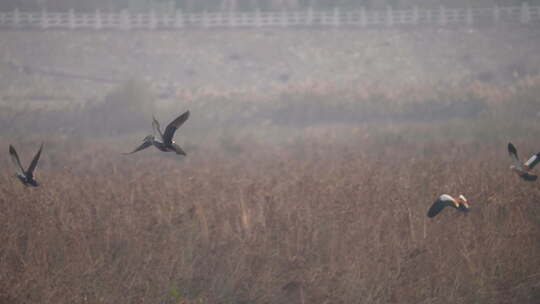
{"x": 446, "y": 200}
{"x": 167, "y": 143}
{"x": 26, "y": 177}
{"x": 523, "y": 169}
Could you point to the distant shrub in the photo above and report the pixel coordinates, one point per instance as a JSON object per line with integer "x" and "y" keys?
{"x": 127, "y": 108}
{"x": 523, "y": 103}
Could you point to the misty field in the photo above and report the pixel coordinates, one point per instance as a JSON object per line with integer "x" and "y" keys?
{"x": 315, "y": 194}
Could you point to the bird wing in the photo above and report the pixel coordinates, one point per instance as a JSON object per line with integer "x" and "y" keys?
{"x": 178, "y": 150}
{"x": 439, "y": 205}
{"x": 34, "y": 162}
{"x": 156, "y": 127}
{"x": 15, "y": 160}
{"x": 143, "y": 146}
{"x": 171, "y": 128}
{"x": 535, "y": 159}
{"x": 513, "y": 154}
{"x": 528, "y": 177}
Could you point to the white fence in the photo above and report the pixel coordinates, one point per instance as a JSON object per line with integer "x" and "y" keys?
{"x": 125, "y": 20}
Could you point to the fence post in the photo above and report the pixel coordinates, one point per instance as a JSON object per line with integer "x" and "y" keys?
{"x": 309, "y": 19}
{"x": 178, "y": 20}
{"x": 336, "y": 21}
{"x": 469, "y": 16}
{"x": 16, "y": 18}
{"x": 363, "y": 17}
{"x": 245, "y": 18}
{"x": 496, "y": 13}
{"x": 525, "y": 13}
{"x": 44, "y": 19}
{"x": 232, "y": 19}
{"x": 97, "y": 24}
{"x": 71, "y": 21}
{"x": 442, "y": 16}
{"x": 124, "y": 20}
{"x": 114, "y": 20}
{"x": 205, "y": 22}
{"x": 152, "y": 19}
{"x": 415, "y": 15}
{"x": 258, "y": 19}
{"x": 138, "y": 22}
{"x": 389, "y": 16}
{"x": 349, "y": 18}
{"x": 284, "y": 19}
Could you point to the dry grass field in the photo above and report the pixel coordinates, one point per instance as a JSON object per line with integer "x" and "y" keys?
{"x": 277, "y": 204}
{"x": 313, "y": 157}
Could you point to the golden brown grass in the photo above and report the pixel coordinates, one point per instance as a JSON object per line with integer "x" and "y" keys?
{"x": 314, "y": 221}
{"x": 271, "y": 210}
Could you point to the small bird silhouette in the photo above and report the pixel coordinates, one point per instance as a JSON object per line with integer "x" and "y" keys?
{"x": 166, "y": 144}
{"x": 522, "y": 169}
{"x": 444, "y": 200}
{"x": 26, "y": 177}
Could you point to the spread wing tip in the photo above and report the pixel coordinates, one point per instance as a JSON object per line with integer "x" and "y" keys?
{"x": 529, "y": 177}
{"x": 435, "y": 208}
{"x": 512, "y": 149}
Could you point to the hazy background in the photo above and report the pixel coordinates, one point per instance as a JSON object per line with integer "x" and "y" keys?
{"x": 244, "y": 5}
{"x": 312, "y": 158}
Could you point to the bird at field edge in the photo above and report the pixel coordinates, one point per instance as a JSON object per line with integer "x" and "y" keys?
{"x": 166, "y": 142}
{"x": 26, "y": 177}
{"x": 446, "y": 200}
{"x": 523, "y": 169}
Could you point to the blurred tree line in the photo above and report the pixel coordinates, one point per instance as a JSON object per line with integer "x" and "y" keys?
{"x": 242, "y": 5}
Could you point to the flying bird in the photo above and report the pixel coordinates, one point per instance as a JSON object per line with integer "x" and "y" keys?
{"x": 165, "y": 142}
{"x": 445, "y": 200}
{"x": 26, "y": 177}
{"x": 522, "y": 169}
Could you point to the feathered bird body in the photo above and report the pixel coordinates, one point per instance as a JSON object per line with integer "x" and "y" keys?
{"x": 25, "y": 176}
{"x": 446, "y": 200}
{"x": 166, "y": 144}
{"x": 523, "y": 169}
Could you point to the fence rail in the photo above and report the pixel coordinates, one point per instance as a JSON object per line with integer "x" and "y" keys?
{"x": 125, "y": 20}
